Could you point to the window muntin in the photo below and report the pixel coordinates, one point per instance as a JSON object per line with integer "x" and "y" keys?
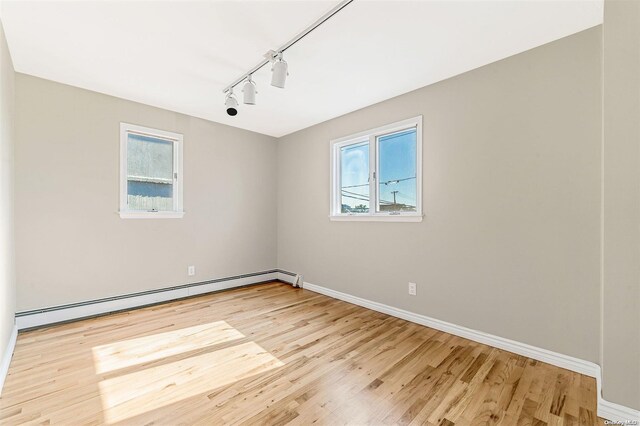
{"x": 376, "y": 175}
{"x": 150, "y": 172}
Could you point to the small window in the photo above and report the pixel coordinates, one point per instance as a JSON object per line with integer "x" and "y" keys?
{"x": 377, "y": 174}
{"x": 150, "y": 173}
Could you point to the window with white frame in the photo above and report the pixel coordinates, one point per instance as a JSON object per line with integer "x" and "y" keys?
{"x": 150, "y": 173}
{"x": 377, "y": 174}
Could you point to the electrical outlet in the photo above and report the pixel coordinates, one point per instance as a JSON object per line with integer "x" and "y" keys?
{"x": 191, "y": 270}
{"x": 412, "y": 289}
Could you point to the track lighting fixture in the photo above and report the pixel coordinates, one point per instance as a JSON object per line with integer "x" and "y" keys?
{"x": 279, "y": 71}
{"x": 231, "y": 103}
{"x": 249, "y": 91}
{"x": 279, "y": 67}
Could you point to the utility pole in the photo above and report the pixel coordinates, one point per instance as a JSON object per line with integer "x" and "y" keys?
{"x": 394, "y": 196}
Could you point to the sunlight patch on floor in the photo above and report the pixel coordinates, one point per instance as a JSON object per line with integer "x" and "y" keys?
{"x": 127, "y": 353}
{"x": 142, "y": 391}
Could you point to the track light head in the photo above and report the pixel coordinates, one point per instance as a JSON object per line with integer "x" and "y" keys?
{"x": 279, "y": 71}
{"x": 249, "y": 91}
{"x": 231, "y": 103}
{"x": 279, "y": 67}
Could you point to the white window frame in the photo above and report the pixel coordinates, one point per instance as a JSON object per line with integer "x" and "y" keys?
{"x": 176, "y": 139}
{"x": 371, "y": 136}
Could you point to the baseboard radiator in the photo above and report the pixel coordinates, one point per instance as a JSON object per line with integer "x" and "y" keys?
{"x": 74, "y": 311}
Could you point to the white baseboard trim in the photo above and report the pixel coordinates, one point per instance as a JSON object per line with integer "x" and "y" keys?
{"x": 606, "y": 410}
{"x": 46, "y": 316}
{"x": 7, "y": 355}
{"x": 616, "y": 412}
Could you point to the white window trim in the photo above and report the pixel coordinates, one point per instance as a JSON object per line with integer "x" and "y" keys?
{"x": 178, "y": 212}
{"x": 371, "y": 136}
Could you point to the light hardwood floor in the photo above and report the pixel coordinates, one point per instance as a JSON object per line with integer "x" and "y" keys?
{"x": 271, "y": 354}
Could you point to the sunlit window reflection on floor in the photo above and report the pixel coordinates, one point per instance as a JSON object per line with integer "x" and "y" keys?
{"x": 149, "y": 388}
{"x": 126, "y": 353}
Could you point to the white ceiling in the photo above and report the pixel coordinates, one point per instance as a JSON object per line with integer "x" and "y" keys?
{"x": 179, "y": 55}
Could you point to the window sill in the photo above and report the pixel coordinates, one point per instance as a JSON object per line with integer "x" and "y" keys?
{"x": 151, "y": 215}
{"x": 377, "y": 218}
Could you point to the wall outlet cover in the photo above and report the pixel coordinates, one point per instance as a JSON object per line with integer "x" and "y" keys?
{"x": 412, "y": 289}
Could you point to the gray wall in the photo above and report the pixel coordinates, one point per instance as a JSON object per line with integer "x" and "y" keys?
{"x": 7, "y": 263}
{"x": 621, "y": 173}
{"x": 510, "y": 242}
{"x": 71, "y": 244}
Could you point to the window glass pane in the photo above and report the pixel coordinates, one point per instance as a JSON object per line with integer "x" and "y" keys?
{"x": 354, "y": 178}
{"x": 397, "y": 173}
{"x": 149, "y": 173}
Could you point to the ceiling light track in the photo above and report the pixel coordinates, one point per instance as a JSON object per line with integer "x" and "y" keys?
{"x": 279, "y": 65}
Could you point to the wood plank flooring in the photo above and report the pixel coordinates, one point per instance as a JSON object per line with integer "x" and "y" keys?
{"x": 271, "y": 354}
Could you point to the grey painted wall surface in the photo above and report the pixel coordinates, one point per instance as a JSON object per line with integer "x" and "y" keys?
{"x": 621, "y": 274}
{"x": 7, "y": 258}
{"x": 71, "y": 243}
{"x": 510, "y": 242}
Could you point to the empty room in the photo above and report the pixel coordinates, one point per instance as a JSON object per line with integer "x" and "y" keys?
{"x": 329, "y": 212}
